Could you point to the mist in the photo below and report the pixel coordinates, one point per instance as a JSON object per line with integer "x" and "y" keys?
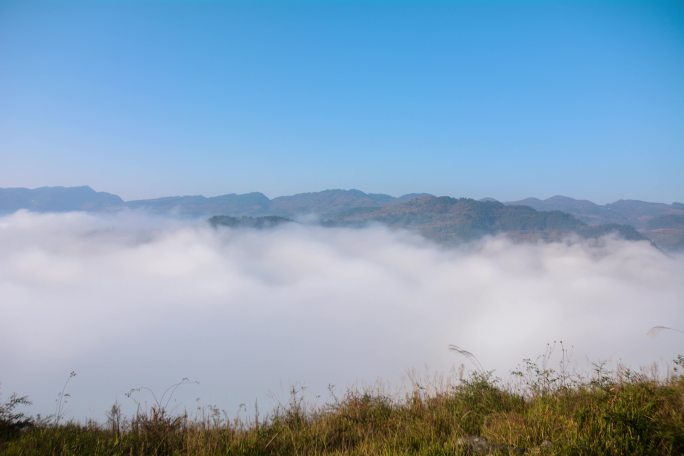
{"x": 129, "y": 299}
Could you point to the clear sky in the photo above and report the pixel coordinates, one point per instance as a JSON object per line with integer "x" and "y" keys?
{"x": 465, "y": 98}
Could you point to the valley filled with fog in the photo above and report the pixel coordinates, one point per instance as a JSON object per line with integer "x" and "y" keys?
{"x": 129, "y": 299}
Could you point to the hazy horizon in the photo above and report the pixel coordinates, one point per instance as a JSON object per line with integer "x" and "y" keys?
{"x": 396, "y": 195}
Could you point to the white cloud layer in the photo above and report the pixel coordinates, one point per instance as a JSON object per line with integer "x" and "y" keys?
{"x": 128, "y": 300}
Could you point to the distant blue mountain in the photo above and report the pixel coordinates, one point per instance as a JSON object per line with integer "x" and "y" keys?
{"x": 658, "y": 221}
{"x": 324, "y": 203}
{"x": 439, "y": 218}
{"x": 201, "y": 206}
{"x": 57, "y": 199}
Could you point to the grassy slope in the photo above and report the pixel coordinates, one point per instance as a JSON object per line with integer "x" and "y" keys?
{"x": 611, "y": 414}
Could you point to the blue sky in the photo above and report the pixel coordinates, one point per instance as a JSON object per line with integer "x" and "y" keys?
{"x": 468, "y": 98}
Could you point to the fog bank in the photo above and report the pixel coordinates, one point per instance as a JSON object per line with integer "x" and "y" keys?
{"x": 128, "y": 300}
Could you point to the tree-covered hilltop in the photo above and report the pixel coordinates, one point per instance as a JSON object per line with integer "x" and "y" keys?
{"x": 268, "y": 221}
{"x": 448, "y": 219}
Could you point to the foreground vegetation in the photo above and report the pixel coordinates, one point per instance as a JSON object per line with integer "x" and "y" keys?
{"x": 546, "y": 412}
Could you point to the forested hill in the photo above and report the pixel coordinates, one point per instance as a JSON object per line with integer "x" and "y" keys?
{"x": 448, "y": 219}
{"x": 664, "y": 223}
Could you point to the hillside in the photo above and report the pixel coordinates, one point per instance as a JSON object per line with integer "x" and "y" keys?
{"x": 548, "y": 413}
{"x": 657, "y": 221}
{"x": 447, "y": 219}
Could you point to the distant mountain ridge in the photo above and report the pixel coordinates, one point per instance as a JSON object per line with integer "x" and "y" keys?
{"x": 447, "y": 219}
{"x": 444, "y": 219}
{"x": 621, "y": 211}
{"x": 658, "y": 221}
{"x": 57, "y": 199}
{"x": 325, "y": 203}
{"x": 201, "y": 206}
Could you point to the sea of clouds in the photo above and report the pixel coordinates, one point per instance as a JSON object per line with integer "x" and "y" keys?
{"x": 129, "y": 299}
